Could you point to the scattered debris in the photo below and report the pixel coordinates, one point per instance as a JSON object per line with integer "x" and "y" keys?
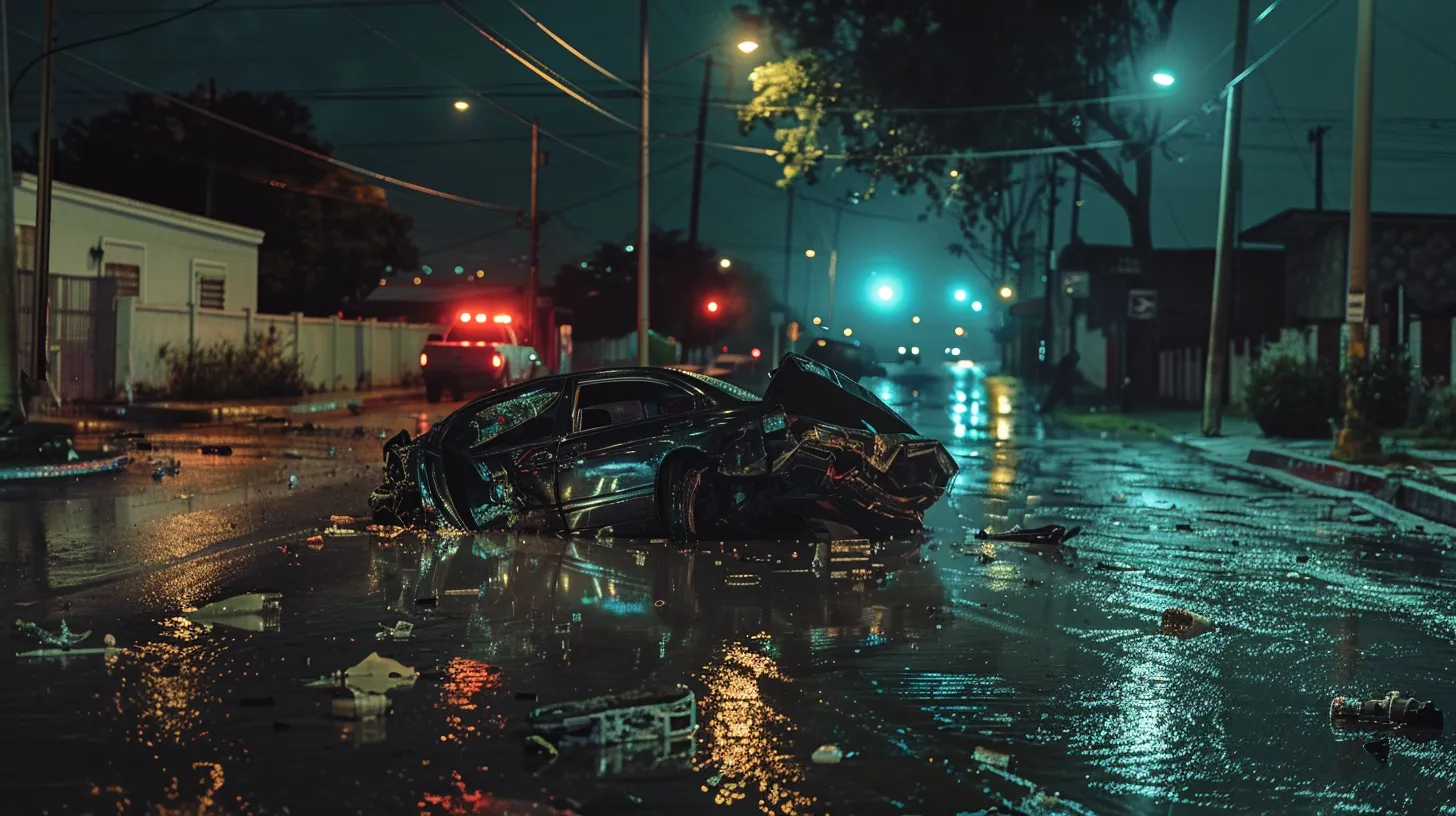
{"x": 334, "y": 531}
{"x": 63, "y": 638}
{"x": 165, "y": 468}
{"x": 1378, "y": 748}
{"x": 315, "y": 542}
{"x": 253, "y": 612}
{"x": 292, "y": 480}
{"x": 215, "y": 450}
{"x": 540, "y": 745}
{"x": 1391, "y": 711}
{"x": 1106, "y": 567}
{"x": 988, "y": 552}
{"x": 1362, "y": 518}
{"x": 401, "y": 630}
{"x": 1181, "y": 623}
{"x": 1183, "y": 528}
{"x": 1052, "y": 535}
{"x": 995, "y": 759}
{"x": 827, "y": 755}
{"x": 664, "y": 714}
{"x": 109, "y": 641}
{"x": 372, "y": 675}
{"x": 341, "y": 521}
{"x": 292, "y": 454}
{"x": 349, "y": 704}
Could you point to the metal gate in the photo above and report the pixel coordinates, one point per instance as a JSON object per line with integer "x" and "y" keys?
{"x": 82, "y": 335}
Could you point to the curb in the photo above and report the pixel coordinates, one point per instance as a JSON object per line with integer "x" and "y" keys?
{"x": 1426, "y": 501}
{"x": 167, "y": 414}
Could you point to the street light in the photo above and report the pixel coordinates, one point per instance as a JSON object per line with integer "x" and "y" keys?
{"x": 1006, "y": 293}
{"x": 748, "y": 46}
{"x": 461, "y": 105}
{"x": 976, "y": 306}
{"x": 915, "y": 319}
{"x": 818, "y": 320}
{"x": 809, "y": 253}
{"x": 885, "y": 293}
{"x": 960, "y": 331}
{"x": 915, "y": 350}
{"x": 960, "y": 296}
{"x": 1163, "y": 79}
{"x": 848, "y": 332}
{"x": 725, "y": 263}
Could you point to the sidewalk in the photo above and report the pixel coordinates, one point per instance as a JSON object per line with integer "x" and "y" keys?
{"x": 1421, "y": 487}
{"x": 170, "y": 413}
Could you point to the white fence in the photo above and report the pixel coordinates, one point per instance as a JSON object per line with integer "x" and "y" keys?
{"x": 1181, "y": 371}
{"x": 333, "y": 354}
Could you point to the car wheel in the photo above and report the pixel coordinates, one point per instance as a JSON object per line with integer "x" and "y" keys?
{"x": 456, "y": 392}
{"x": 433, "y": 390}
{"x": 686, "y": 493}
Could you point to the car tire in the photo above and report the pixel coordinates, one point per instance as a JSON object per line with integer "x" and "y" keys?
{"x": 457, "y": 393}
{"x": 685, "y": 493}
{"x": 433, "y": 390}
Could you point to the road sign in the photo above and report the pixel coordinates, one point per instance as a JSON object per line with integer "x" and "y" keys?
{"x": 776, "y": 319}
{"x": 1127, "y": 265}
{"x": 1355, "y": 308}
{"x": 1077, "y": 284}
{"x": 1142, "y": 304}
{"x": 794, "y": 332}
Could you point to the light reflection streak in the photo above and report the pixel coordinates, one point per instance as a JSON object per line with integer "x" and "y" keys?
{"x": 165, "y": 685}
{"x": 464, "y": 680}
{"x": 745, "y": 742}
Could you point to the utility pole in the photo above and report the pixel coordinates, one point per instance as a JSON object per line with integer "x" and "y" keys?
{"x": 209, "y": 202}
{"x": 1359, "y": 438}
{"x": 1317, "y": 138}
{"x": 1048, "y": 333}
{"x": 644, "y": 214}
{"x": 1076, "y": 238}
{"x": 834, "y": 261}
{"x": 534, "y": 285}
{"x": 40, "y": 310}
{"x": 12, "y": 404}
{"x": 788, "y": 273}
{"x": 697, "y": 203}
{"x": 1217, "y": 367}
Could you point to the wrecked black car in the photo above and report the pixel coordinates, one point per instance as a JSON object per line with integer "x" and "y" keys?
{"x": 651, "y": 451}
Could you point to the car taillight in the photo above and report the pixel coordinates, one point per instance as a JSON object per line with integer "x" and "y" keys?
{"x": 495, "y": 360}
{"x": 424, "y": 360}
{"x": 776, "y": 422}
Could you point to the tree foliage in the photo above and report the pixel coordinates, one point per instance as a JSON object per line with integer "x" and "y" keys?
{"x": 328, "y": 233}
{"x": 906, "y": 92}
{"x": 601, "y": 292}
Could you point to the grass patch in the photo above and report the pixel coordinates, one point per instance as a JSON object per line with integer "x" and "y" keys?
{"x": 1417, "y": 438}
{"x": 1115, "y": 424}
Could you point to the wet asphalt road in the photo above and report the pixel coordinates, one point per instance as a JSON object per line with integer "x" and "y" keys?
{"x": 1051, "y": 657}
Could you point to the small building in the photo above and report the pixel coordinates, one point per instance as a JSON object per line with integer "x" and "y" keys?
{"x": 154, "y": 254}
{"x": 1411, "y": 291}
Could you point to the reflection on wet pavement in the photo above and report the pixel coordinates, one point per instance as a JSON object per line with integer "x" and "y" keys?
{"x": 915, "y": 665}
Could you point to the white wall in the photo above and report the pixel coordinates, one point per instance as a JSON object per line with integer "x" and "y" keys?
{"x": 1092, "y": 346}
{"x": 332, "y": 352}
{"x": 166, "y": 244}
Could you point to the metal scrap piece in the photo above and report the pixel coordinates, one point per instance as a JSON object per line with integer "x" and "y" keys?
{"x": 636, "y": 716}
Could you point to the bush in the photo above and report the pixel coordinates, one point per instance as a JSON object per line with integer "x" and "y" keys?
{"x": 1383, "y": 387}
{"x": 224, "y": 371}
{"x": 1441, "y": 413}
{"x": 1289, "y": 394}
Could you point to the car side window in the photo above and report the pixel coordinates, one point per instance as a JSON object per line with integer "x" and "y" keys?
{"x": 619, "y": 402}
{"x": 522, "y": 417}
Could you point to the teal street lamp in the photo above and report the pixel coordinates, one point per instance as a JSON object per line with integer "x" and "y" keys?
{"x": 1164, "y": 79}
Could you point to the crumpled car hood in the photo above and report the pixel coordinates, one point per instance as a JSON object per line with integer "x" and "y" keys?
{"x": 807, "y": 388}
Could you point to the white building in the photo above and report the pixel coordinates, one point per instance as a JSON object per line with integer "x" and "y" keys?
{"x": 152, "y": 252}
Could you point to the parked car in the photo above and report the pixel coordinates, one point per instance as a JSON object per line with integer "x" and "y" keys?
{"x": 848, "y": 357}
{"x": 480, "y": 352}
{"x": 647, "y": 451}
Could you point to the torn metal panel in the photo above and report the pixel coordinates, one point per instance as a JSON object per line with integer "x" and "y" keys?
{"x": 658, "y": 715}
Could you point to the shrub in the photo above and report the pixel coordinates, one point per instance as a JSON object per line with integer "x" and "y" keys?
{"x": 1382, "y": 384}
{"x": 1441, "y": 413}
{"x": 224, "y": 371}
{"x": 1289, "y": 394}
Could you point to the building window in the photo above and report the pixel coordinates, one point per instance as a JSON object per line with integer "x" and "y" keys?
{"x": 25, "y": 250}
{"x": 128, "y": 278}
{"x": 212, "y": 292}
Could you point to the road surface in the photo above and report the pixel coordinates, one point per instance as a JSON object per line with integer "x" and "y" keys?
{"x": 1050, "y": 657}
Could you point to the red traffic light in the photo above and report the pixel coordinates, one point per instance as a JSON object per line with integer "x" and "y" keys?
{"x": 756, "y": 354}
{"x": 713, "y": 306}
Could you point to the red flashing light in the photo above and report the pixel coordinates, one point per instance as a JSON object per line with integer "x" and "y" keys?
{"x": 480, "y": 318}
{"x": 756, "y": 354}
{"x": 495, "y": 360}
{"x": 503, "y": 318}
{"x": 713, "y": 306}
{"x": 465, "y": 317}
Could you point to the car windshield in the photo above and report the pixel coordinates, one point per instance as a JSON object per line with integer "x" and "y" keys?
{"x": 740, "y": 394}
{"x": 498, "y": 333}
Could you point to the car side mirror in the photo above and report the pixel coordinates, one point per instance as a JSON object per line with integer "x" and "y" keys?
{"x": 434, "y": 338}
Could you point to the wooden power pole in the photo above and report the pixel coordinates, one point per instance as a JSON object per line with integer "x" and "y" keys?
{"x": 1228, "y": 196}
{"x": 1359, "y": 437}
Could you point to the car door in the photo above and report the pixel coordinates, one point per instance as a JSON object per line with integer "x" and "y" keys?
{"x": 622, "y": 427}
{"x": 500, "y": 460}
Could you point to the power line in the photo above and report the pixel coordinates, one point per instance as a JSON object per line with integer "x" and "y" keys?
{"x": 564, "y": 44}
{"x": 284, "y": 143}
{"x": 103, "y": 38}
{"x": 473, "y": 140}
{"x": 280, "y": 6}
{"x": 1303, "y": 159}
{"x": 498, "y": 106}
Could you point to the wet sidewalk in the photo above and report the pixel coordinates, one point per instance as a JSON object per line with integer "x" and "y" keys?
{"x": 1418, "y": 482}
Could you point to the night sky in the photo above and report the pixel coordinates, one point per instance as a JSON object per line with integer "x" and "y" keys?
{"x": 383, "y": 109}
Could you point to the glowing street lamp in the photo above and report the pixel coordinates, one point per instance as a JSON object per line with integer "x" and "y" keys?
{"x": 960, "y": 331}
{"x": 915, "y": 319}
{"x": 461, "y": 105}
{"x": 976, "y": 306}
{"x": 1006, "y": 293}
{"x": 809, "y": 253}
{"x": 885, "y": 293}
{"x": 818, "y": 320}
{"x": 725, "y": 263}
{"x": 1163, "y": 79}
{"x": 960, "y": 295}
{"x": 748, "y": 46}
{"x": 849, "y": 332}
